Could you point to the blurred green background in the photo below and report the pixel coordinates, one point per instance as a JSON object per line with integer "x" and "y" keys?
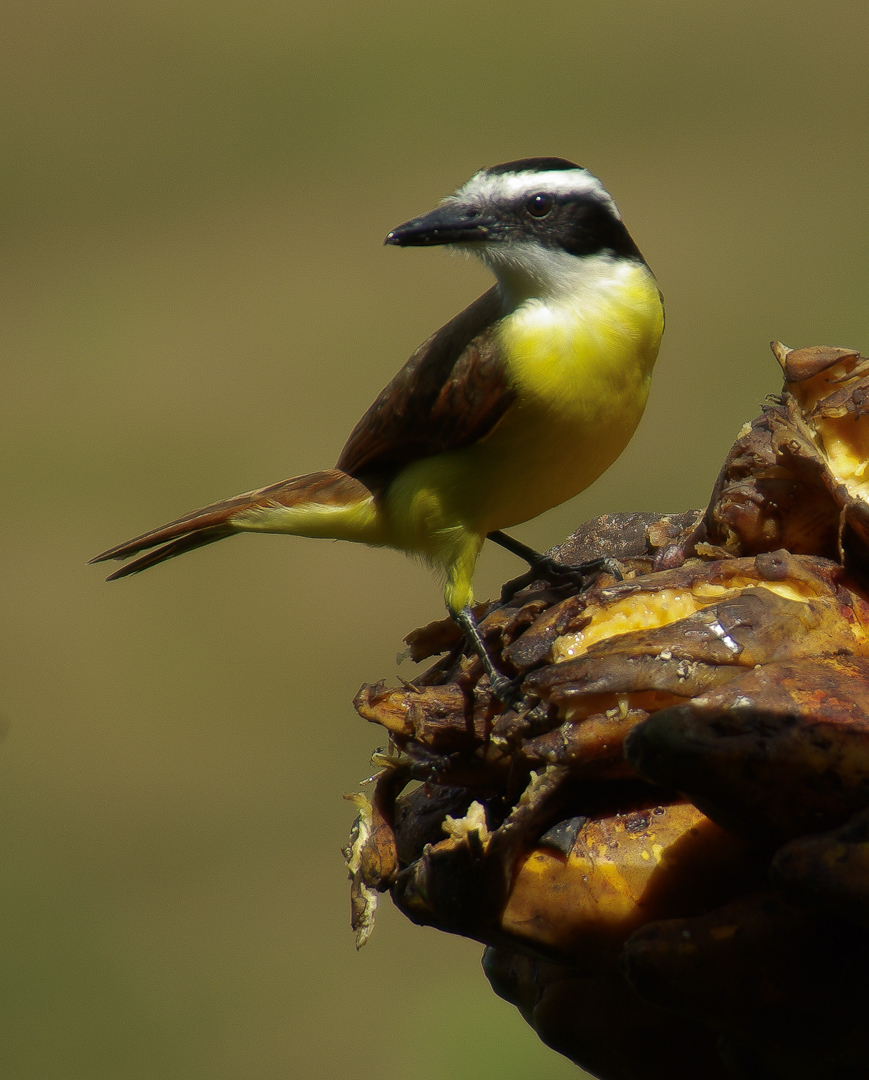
{"x": 196, "y": 301}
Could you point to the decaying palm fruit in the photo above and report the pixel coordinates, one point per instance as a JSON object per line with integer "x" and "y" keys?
{"x": 664, "y": 845}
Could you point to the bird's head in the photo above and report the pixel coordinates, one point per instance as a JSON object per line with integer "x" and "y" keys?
{"x": 536, "y": 223}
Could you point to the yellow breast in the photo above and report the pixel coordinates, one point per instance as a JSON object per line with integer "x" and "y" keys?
{"x": 589, "y": 353}
{"x": 582, "y": 369}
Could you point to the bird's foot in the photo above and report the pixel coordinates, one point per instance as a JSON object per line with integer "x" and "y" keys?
{"x": 580, "y": 575}
{"x": 545, "y": 568}
{"x": 504, "y": 688}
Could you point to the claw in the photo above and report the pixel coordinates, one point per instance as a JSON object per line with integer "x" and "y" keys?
{"x": 504, "y": 688}
{"x": 544, "y": 567}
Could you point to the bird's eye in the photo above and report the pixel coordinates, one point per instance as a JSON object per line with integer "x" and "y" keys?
{"x": 539, "y": 205}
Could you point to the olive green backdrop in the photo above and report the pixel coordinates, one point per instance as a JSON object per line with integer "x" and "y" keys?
{"x": 196, "y": 301}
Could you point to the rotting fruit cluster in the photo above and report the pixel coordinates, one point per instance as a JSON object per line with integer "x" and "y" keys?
{"x": 665, "y": 845}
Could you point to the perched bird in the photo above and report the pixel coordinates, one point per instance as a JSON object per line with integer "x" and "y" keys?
{"x": 516, "y": 404}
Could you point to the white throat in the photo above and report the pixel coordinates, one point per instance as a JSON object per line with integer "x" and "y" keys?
{"x": 527, "y": 270}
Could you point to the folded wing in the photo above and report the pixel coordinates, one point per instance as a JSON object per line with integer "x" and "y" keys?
{"x": 451, "y": 393}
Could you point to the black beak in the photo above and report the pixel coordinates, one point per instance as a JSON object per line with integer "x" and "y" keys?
{"x": 451, "y": 223}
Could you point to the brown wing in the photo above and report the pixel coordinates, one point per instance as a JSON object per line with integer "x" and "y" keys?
{"x": 449, "y": 394}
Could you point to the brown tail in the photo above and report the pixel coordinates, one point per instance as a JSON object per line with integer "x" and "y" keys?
{"x": 222, "y": 519}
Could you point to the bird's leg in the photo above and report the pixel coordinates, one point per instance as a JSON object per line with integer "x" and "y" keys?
{"x": 507, "y": 690}
{"x": 547, "y": 568}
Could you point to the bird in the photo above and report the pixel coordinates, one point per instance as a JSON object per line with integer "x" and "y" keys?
{"x": 515, "y": 405}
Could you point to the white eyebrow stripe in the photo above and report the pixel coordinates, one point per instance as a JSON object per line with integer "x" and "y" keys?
{"x": 486, "y": 187}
